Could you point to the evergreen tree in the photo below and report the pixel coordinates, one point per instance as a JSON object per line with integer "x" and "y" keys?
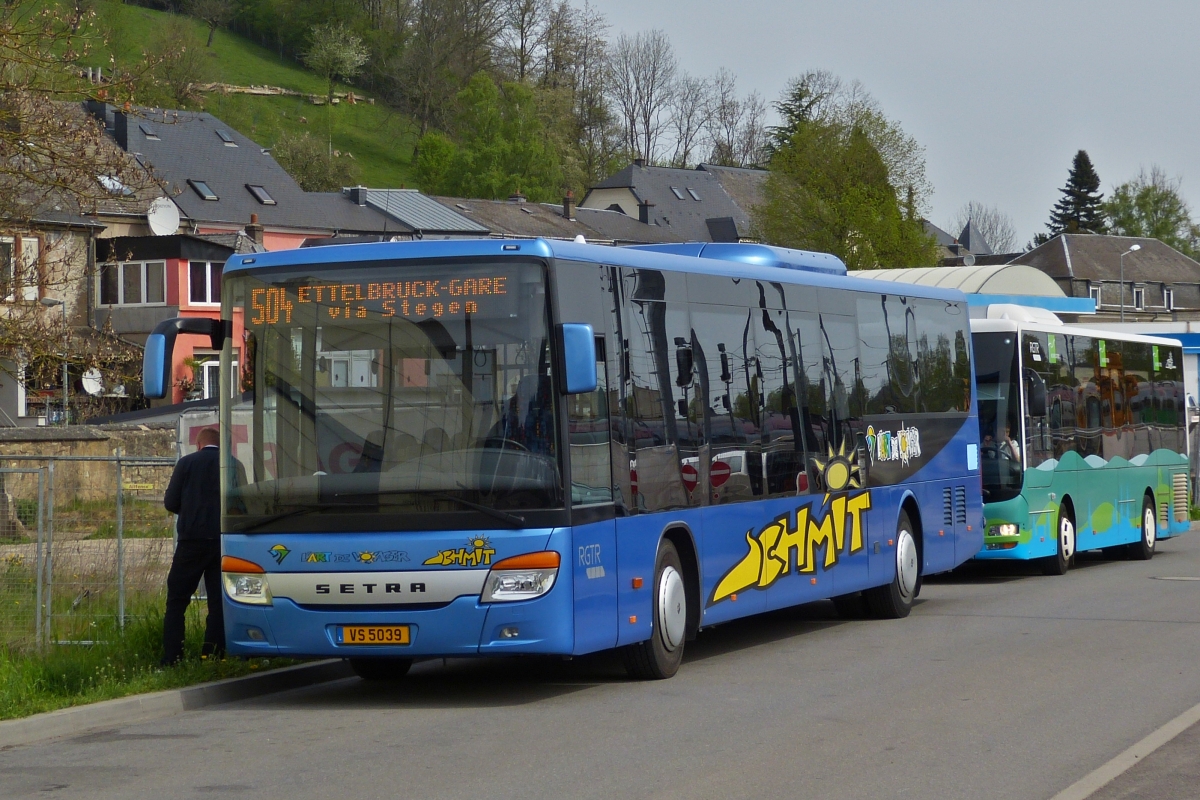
{"x": 1079, "y": 209}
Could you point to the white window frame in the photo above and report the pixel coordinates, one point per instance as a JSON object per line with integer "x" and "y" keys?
{"x": 144, "y": 268}
{"x": 1169, "y": 298}
{"x": 1094, "y": 293}
{"x": 208, "y": 283}
{"x": 24, "y": 278}
{"x": 1139, "y": 298}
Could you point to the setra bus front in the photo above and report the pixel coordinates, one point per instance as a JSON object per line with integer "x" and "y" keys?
{"x": 392, "y": 480}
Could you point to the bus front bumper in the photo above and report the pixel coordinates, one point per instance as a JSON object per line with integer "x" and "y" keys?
{"x": 463, "y": 627}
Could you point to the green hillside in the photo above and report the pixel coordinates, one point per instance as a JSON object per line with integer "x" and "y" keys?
{"x": 380, "y": 138}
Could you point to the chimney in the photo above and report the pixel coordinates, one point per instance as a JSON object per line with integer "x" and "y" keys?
{"x": 98, "y": 109}
{"x": 639, "y": 162}
{"x": 569, "y": 205}
{"x": 644, "y": 211}
{"x": 358, "y": 195}
{"x": 254, "y": 230}
{"x": 516, "y": 197}
{"x": 121, "y": 129}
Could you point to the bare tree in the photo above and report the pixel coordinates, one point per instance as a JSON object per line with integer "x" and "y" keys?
{"x": 996, "y": 227}
{"x": 214, "y": 13}
{"x": 642, "y": 74}
{"x": 736, "y": 125}
{"x": 524, "y": 29}
{"x": 689, "y": 106}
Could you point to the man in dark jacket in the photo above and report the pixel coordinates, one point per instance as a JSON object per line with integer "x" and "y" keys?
{"x": 195, "y": 495}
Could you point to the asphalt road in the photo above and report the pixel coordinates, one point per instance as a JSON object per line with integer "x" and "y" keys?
{"x": 1002, "y": 684}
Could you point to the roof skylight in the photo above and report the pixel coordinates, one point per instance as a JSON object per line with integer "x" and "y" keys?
{"x": 692, "y": 192}
{"x": 226, "y": 138}
{"x": 678, "y": 194}
{"x": 149, "y": 132}
{"x": 260, "y": 194}
{"x": 201, "y": 188}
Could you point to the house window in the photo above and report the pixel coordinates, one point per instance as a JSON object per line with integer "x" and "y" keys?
{"x": 149, "y": 132}
{"x": 678, "y": 194}
{"x": 226, "y": 138}
{"x": 1139, "y": 297}
{"x": 692, "y": 192}
{"x": 1169, "y": 298}
{"x": 201, "y": 188}
{"x": 133, "y": 283}
{"x": 1094, "y": 293}
{"x": 19, "y": 277}
{"x": 204, "y": 281}
{"x": 261, "y": 194}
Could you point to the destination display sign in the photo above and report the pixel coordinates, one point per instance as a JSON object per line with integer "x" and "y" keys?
{"x": 415, "y": 299}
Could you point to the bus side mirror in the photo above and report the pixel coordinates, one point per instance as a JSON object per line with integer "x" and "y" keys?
{"x": 577, "y": 343}
{"x": 160, "y": 347}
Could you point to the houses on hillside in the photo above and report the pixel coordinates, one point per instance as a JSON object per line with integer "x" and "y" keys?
{"x": 157, "y": 250}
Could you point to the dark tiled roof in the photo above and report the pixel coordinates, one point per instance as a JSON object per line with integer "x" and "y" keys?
{"x": 339, "y": 213}
{"x": 744, "y": 185}
{"x": 973, "y": 240}
{"x": 183, "y": 146}
{"x": 944, "y": 239}
{"x": 505, "y": 218}
{"x": 686, "y": 216}
{"x": 613, "y": 226}
{"x": 1098, "y": 258}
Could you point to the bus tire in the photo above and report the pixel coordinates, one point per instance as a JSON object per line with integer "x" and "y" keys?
{"x": 1060, "y": 562}
{"x": 895, "y": 599}
{"x": 381, "y": 669}
{"x": 1143, "y": 549}
{"x": 660, "y": 656}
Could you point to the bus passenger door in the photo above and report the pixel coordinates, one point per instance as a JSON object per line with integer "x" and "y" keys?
{"x": 594, "y": 574}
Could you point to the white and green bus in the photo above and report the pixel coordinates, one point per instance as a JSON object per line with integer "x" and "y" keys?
{"x": 1083, "y": 438}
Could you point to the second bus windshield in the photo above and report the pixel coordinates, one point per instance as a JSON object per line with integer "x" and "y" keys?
{"x": 999, "y": 395}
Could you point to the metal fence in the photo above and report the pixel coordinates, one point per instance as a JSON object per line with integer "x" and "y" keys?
{"x": 84, "y": 542}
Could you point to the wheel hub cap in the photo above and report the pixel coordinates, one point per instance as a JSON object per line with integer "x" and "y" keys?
{"x": 1066, "y": 534}
{"x": 1149, "y": 526}
{"x": 906, "y": 564}
{"x": 672, "y": 608}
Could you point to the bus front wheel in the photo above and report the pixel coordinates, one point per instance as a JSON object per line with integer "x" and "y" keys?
{"x": 895, "y": 600}
{"x": 381, "y": 669}
{"x": 660, "y": 656}
{"x": 1143, "y": 549}
{"x": 1060, "y": 562}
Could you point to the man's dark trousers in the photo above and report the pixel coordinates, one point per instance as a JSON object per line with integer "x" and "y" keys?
{"x": 194, "y": 558}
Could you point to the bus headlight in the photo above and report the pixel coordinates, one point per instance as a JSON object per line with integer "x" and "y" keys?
{"x": 245, "y": 581}
{"x": 521, "y": 577}
{"x": 1005, "y": 529}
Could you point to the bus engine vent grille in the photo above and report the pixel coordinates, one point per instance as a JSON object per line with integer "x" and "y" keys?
{"x": 960, "y": 505}
{"x": 1179, "y": 487}
{"x": 947, "y": 507}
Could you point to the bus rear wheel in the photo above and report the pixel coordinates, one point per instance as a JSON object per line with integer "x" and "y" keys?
{"x": 660, "y": 656}
{"x": 381, "y": 669}
{"x": 1060, "y": 562}
{"x": 1143, "y": 549}
{"x": 895, "y": 600}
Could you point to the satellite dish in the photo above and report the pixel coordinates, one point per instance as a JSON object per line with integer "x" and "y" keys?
{"x": 92, "y": 383}
{"x": 163, "y": 216}
{"x": 968, "y": 260}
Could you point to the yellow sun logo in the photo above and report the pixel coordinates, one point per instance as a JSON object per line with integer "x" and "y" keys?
{"x": 479, "y": 543}
{"x": 839, "y": 470}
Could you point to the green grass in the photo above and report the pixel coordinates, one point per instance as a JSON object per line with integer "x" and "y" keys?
{"x": 380, "y": 138}
{"x": 120, "y": 664}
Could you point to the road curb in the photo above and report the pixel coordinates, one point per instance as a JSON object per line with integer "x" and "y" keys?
{"x": 142, "y": 707}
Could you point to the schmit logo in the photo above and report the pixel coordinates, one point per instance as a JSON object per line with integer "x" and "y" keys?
{"x": 369, "y": 588}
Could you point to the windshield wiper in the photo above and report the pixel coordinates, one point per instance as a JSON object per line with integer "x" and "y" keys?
{"x": 495, "y": 513}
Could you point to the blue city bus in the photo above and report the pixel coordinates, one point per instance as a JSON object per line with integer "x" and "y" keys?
{"x": 491, "y": 447}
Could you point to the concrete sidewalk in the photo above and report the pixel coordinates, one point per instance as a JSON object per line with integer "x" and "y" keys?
{"x": 138, "y": 708}
{"x": 1172, "y": 771}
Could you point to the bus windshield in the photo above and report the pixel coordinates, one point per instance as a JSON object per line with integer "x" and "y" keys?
{"x": 366, "y": 396}
{"x": 996, "y": 374}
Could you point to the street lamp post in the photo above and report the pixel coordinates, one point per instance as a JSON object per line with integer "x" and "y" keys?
{"x": 50, "y": 302}
{"x": 1133, "y": 248}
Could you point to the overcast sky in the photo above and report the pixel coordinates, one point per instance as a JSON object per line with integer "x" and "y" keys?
{"x": 1000, "y": 94}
